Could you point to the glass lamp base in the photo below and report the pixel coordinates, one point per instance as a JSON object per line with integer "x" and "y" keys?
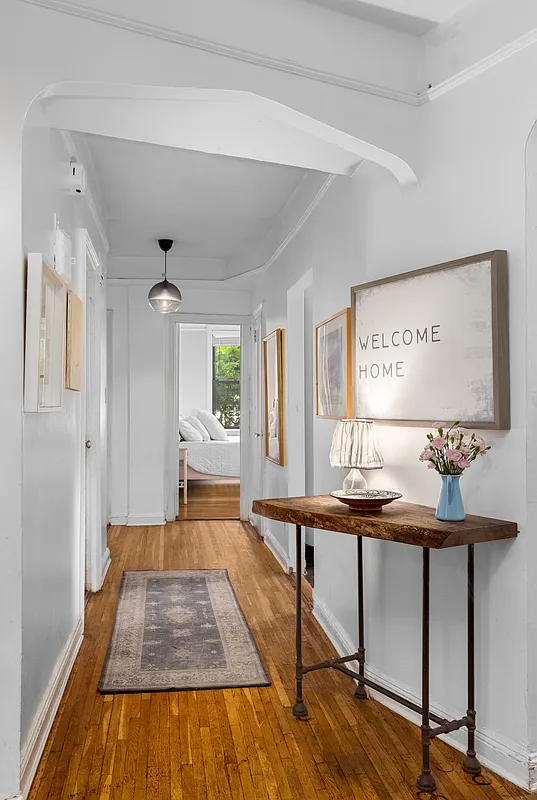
{"x": 354, "y": 481}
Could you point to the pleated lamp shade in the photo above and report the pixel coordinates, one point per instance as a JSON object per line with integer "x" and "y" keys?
{"x": 354, "y": 445}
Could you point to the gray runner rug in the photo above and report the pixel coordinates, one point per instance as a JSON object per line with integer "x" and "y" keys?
{"x": 180, "y": 629}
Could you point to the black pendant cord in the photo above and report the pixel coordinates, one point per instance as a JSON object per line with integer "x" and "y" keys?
{"x": 165, "y": 265}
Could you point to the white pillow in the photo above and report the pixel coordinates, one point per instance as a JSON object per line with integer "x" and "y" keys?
{"x": 200, "y": 427}
{"x": 214, "y": 426}
{"x": 188, "y": 432}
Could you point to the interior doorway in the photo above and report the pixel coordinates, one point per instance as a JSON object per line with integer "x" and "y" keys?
{"x": 207, "y": 369}
{"x": 209, "y": 421}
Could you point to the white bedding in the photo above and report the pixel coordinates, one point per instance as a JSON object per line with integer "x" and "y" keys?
{"x": 215, "y": 458}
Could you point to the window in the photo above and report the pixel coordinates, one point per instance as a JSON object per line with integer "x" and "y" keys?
{"x": 226, "y": 352}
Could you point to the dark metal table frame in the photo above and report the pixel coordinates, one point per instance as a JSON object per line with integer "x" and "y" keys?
{"x": 426, "y": 781}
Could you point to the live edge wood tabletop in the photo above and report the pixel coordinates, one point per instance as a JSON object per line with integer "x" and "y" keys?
{"x": 406, "y": 523}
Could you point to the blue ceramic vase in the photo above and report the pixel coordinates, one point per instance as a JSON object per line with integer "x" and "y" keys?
{"x": 450, "y": 507}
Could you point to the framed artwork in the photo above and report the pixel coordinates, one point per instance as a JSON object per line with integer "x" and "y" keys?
{"x": 75, "y": 330}
{"x": 433, "y": 345}
{"x": 333, "y": 357}
{"x": 44, "y": 338}
{"x": 274, "y": 401}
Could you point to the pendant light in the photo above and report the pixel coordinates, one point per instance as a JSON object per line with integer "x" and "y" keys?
{"x": 165, "y": 297}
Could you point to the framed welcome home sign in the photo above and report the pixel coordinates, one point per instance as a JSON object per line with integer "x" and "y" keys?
{"x": 433, "y": 345}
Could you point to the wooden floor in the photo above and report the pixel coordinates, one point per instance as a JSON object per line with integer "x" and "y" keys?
{"x": 242, "y": 744}
{"x": 207, "y": 500}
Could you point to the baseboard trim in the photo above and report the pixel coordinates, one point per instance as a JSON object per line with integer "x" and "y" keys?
{"x": 107, "y": 560}
{"x": 276, "y": 549}
{"x": 33, "y": 748}
{"x": 533, "y": 772}
{"x": 146, "y": 519}
{"x": 503, "y": 756}
{"x": 118, "y": 519}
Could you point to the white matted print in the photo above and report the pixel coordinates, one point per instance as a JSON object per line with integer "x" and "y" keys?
{"x": 334, "y": 366}
{"x": 433, "y": 345}
{"x": 45, "y": 337}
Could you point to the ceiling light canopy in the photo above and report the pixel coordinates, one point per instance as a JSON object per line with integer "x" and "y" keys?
{"x": 165, "y": 297}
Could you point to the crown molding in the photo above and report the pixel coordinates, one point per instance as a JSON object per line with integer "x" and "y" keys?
{"x": 71, "y": 147}
{"x": 483, "y": 65}
{"x": 228, "y": 51}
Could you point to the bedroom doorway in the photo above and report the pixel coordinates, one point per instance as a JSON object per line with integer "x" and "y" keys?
{"x": 209, "y": 420}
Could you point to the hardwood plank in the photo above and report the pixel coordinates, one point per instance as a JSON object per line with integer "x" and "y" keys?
{"x": 210, "y": 500}
{"x": 233, "y": 744}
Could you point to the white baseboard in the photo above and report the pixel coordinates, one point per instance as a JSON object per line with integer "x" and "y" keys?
{"x": 34, "y": 745}
{"x": 107, "y": 560}
{"x": 533, "y": 772}
{"x": 146, "y": 519}
{"x": 497, "y": 753}
{"x": 276, "y": 549}
{"x": 118, "y": 519}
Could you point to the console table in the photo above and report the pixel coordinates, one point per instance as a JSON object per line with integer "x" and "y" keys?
{"x": 409, "y": 524}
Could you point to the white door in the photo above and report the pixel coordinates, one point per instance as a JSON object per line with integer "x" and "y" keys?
{"x": 93, "y": 440}
{"x": 257, "y": 435}
{"x": 107, "y": 479}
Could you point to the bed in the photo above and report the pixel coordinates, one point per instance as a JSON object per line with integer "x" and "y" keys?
{"x": 212, "y": 460}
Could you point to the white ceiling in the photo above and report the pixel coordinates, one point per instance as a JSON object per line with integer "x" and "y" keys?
{"x": 211, "y": 205}
{"x": 410, "y": 16}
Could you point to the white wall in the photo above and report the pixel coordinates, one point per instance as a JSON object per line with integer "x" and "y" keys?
{"x": 471, "y": 200}
{"x": 195, "y": 386}
{"x": 52, "y": 447}
{"x": 138, "y": 452}
{"x": 58, "y": 47}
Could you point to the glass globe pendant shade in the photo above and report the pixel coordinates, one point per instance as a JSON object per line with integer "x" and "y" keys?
{"x": 164, "y": 297}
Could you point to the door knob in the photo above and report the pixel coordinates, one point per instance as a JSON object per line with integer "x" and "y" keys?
{"x": 88, "y": 444}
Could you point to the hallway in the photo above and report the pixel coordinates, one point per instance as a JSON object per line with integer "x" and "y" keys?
{"x": 238, "y": 743}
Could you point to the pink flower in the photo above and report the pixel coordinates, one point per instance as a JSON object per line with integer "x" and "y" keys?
{"x": 453, "y": 455}
{"x": 463, "y": 463}
{"x": 427, "y": 454}
{"x": 430, "y": 465}
{"x": 465, "y": 450}
{"x": 440, "y": 425}
{"x": 438, "y": 442}
{"x": 480, "y": 442}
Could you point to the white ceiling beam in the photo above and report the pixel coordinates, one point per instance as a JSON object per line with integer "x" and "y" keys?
{"x": 434, "y": 11}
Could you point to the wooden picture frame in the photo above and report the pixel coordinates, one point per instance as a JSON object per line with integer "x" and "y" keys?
{"x": 453, "y": 364}
{"x": 74, "y": 343}
{"x": 44, "y": 337}
{"x": 274, "y": 375}
{"x": 333, "y": 376}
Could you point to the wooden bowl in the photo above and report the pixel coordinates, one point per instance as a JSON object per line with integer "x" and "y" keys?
{"x": 365, "y": 499}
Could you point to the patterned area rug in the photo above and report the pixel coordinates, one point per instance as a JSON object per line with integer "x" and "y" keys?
{"x": 180, "y": 629}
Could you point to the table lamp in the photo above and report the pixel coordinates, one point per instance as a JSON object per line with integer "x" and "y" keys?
{"x": 354, "y": 445}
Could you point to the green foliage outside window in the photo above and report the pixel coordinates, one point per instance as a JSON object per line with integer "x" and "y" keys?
{"x": 226, "y": 384}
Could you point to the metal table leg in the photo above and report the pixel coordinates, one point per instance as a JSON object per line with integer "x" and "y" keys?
{"x": 360, "y": 692}
{"x": 426, "y": 782}
{"x": 299, "y": 708}
{"x": 470, "y": 764}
